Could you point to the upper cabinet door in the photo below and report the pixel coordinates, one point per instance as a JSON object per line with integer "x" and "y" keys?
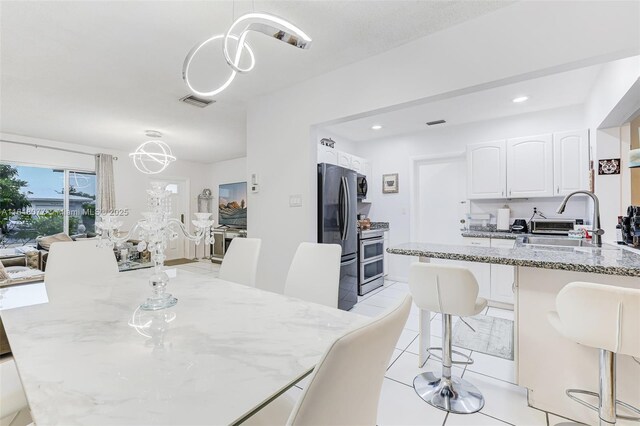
{"x": 486, "y": 170}
{"x": 344, "y": 160}
{"x": 530, "y": 167}
{"x": 570, "y": 161}
{"x": 357, "y": 164}
{"x": 327, "y": 155}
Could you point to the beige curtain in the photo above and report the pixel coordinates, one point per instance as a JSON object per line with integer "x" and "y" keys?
{"x": 106, "y": 191}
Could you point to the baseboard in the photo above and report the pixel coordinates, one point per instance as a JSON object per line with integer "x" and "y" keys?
{"x": 396, "y": 278}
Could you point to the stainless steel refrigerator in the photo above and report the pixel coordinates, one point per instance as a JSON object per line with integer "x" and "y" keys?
{"x": 337, "y": 224}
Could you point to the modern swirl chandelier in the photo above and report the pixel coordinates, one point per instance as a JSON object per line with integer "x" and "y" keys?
{"x": 152, "y": 157}
{"x": 270, "y": 25}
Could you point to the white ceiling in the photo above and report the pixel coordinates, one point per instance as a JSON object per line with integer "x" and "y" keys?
{"x": 100, "y": 73}
{"x": 554, "y": 91}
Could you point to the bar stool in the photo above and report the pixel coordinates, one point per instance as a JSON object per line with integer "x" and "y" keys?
{"x": 450, "y": 290}
{"x": 604, "y": 317}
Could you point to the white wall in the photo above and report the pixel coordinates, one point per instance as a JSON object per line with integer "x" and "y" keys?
{"x": 131, "y": 185}
{"x": 395, "y": 155}
{"x": 611, "y": 86}
{"x": 518, "y": 42}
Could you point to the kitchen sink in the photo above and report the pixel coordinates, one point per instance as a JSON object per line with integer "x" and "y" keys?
{"x": 555, "y": 241}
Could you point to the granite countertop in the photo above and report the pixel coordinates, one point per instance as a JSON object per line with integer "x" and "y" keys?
{"x": 376, "y": 226}
{"x": 379, "y": 225}
{"x": 503, "y": 235}
{"x": 609, "y": 260}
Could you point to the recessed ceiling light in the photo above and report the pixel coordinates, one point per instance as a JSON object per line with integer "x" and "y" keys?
{"x": 376, "y": 127}
{"x": 520, "y": 99}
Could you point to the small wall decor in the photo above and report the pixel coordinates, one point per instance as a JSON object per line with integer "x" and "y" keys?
{"x": 328, "y": 142}
{"x": 390, "y": 183}
{"x": 610, "y": 166}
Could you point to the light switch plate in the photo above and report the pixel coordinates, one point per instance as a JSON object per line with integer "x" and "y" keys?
{"x": 295, "y": 200}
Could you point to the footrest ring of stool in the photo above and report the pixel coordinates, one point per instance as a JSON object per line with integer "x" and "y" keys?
{"x": 570, "y": 393}
{"x": 469, "y": 360}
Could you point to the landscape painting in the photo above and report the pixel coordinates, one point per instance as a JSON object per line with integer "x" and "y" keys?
{"x": 232, "y": 205}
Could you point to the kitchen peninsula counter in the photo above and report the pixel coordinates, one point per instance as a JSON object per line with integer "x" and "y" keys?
{"x": 547, "y": 363}
{"x": 609, "y": 260}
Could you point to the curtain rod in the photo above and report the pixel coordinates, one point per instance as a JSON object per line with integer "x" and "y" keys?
{"x": 53, "y": 148}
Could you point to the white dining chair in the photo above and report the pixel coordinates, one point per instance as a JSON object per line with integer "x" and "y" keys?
{"x": 79, "y": 260}
{"x": 14, "y": 410}
{"x": 345, "y": 385}
{"x": 240, "y": 262}
{"x": 314, "y": 274}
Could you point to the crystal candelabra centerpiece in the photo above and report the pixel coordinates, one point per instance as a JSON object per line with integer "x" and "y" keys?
{"x": 155, "y": 231}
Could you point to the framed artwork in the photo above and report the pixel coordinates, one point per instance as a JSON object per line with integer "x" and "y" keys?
{"x": 610, "y": 166}
{"x": 390, "y": 183}
{"x": 232, "y": 205}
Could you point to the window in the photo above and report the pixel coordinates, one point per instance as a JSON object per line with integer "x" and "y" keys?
{"x": 39, "y": 201}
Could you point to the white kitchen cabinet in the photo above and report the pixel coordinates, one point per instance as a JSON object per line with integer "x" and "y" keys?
{"x": 486, "y": 170}
{"x": 327, "y": 155}
{"x": 481, "y": 271}
{"x": 530, "y": 167}
{"x": 502, "y": 276}
{"x": 357, "y": 164}
{"x": 385, "y": 261}
{"x": 570, "y": 161}
{"x": 344, "y": 160}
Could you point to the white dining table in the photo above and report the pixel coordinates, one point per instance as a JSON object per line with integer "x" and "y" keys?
{"x": 86, "y": 354}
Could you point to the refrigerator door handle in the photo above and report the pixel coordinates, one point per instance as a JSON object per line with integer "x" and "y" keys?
{"x": 343, "y": 208}
{"x": 349, "y": 262}
{"x": 348, "y": 219}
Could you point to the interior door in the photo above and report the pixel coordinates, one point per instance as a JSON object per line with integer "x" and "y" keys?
{"x": 441, "y": 200}
{"x": 178, "y": 248}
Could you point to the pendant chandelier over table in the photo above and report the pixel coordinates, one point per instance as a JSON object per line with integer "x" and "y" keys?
{"x": 264, "y": 23}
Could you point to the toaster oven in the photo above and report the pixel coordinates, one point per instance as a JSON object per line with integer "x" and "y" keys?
{"x": 554, "y": 226}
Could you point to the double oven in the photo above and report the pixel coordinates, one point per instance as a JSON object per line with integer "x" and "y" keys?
{"x": 370, "y": 260}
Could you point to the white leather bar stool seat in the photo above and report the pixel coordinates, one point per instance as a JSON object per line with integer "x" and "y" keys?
{"x": 607, "y": 318}
{"x": 449, "y": 290}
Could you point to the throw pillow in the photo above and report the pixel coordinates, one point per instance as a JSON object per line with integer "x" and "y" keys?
{"x": 3, "y": 273}
{"x": 33, "y": 259}
{"x": 45, "y": 242}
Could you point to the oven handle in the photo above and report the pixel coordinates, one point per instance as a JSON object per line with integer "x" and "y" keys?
{"x": 372, "y": 279}
{"x": 371, "y": 241}
{"x": 372, "y": 260}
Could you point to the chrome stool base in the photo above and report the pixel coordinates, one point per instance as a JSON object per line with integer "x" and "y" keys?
{"x": 455, "y": 395}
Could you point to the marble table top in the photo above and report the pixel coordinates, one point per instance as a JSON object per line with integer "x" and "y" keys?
{"x": 87, "y": 356}
{"x": 609, "y": 259}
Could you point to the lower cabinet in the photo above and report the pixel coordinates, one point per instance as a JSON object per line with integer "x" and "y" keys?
{"x": 502, "y": 276}
{"x": 495, "y": 282}
{"x": 482, "y": 271}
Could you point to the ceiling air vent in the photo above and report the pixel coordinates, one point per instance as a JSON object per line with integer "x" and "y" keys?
{"x": 433, "y": 123}
{"x": 195, "y": 101}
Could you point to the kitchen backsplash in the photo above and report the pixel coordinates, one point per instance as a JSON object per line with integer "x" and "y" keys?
{"x": 577, "y": 208}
